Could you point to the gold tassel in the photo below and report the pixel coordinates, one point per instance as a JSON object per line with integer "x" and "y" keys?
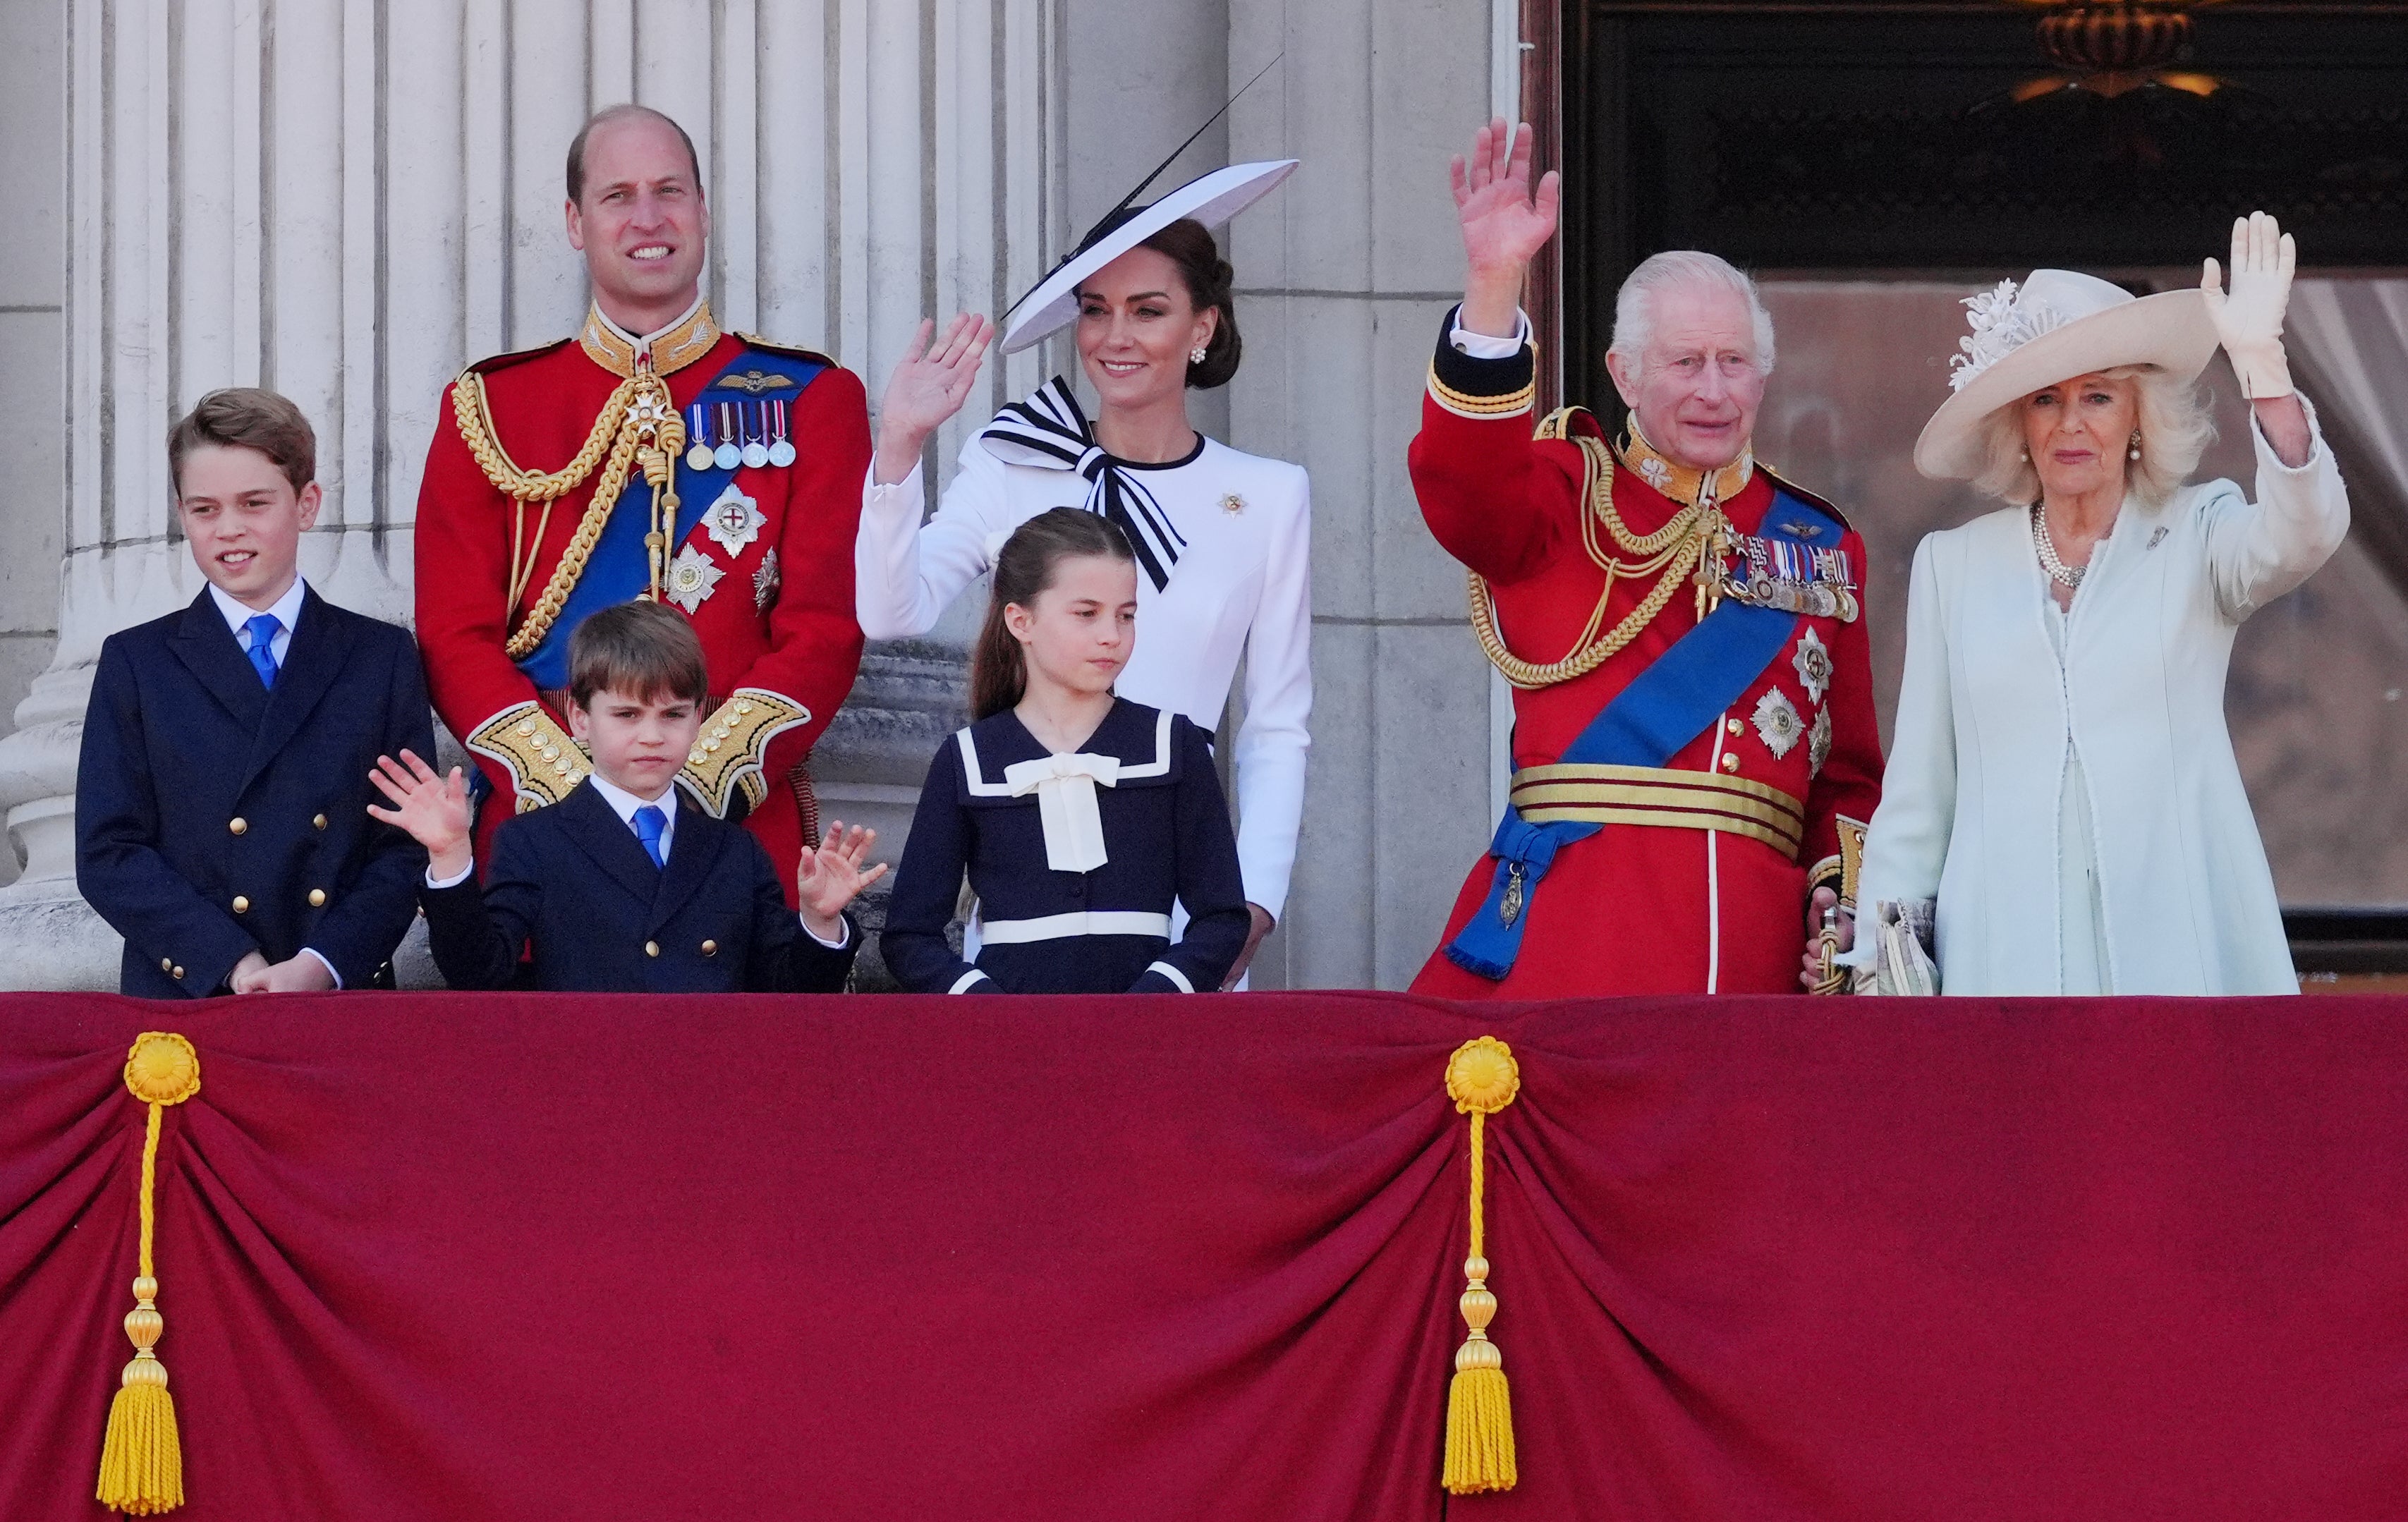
{"x": 1483, "y": 1079}
{"x": 143, "y": 1462}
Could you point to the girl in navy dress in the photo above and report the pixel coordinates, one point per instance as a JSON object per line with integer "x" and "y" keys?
{"x": 1080, "y": 817}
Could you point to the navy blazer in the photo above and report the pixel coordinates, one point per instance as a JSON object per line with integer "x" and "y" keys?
{"x": 215, "y": 817}
{"x": 574, "y": 880}
{"x": 1166, "y": 831}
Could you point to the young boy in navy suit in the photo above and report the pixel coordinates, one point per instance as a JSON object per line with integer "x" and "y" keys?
{"x": 221, "y": 797}
{"x": 623, "y": 886}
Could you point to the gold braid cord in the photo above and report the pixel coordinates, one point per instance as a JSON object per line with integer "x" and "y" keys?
{"x": 638, "y": 427}
{"x": 1671, "y": 550}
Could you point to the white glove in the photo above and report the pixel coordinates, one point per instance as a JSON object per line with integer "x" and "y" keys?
{"x": 2249, "y": 322}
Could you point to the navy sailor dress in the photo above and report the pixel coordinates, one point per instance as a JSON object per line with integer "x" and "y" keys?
{"x": 1076, "y": 861}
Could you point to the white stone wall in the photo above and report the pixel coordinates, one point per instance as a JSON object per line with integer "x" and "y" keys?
{"x": 1346, "y": 274}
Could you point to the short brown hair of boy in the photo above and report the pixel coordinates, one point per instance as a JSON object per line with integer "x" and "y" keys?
{"x": 639, "y": 649}
{"x": 246, "y": 417}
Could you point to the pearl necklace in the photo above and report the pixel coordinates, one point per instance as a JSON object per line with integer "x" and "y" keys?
{"x": 2058, "y": 572}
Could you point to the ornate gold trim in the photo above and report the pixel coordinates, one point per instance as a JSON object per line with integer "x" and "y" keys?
{"x": 544, "y": 762}
{"x": 1683, "y": 484}
{"x": 1465, "y": 405}
{"x": 734, "y": 741}
{"x": 1587, "y": 793}
{"x": 672, "y": 349}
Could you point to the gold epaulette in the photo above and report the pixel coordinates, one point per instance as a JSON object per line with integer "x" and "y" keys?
{"x": 728, "y": 754}
{"x": 544, "y": 762}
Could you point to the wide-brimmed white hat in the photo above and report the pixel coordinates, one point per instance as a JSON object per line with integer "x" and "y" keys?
{"x": 2059, "y": 325}
{"x": 1212, "y": 200}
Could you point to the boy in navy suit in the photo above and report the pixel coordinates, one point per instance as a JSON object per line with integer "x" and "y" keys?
{"x": 623, "y": 886}
{"x": 221, "y": 797}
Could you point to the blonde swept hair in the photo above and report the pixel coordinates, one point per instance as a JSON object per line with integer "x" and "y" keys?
{"x": 2175, "y": 426}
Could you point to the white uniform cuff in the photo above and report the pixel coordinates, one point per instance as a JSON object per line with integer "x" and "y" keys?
{"x": 843, "y": 933}
{"x": 455, "y": 879}
{"x": 324, "y": 963}
{"x": 1486, "y": 346}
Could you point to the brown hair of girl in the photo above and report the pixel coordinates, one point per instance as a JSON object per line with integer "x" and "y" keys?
{"x": 1208, "y": 278}
{"x": 1025, "y": 567}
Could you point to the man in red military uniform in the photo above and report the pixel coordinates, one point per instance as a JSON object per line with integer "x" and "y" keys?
{"x": 656, "y": 456}
{"x": 1694, "y": 740}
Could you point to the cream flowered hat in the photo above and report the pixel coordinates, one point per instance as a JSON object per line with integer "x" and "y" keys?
{"x": 2060, "y": 325}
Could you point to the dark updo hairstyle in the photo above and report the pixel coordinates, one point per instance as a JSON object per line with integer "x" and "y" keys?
{"x": 1023, "y": 568}
{"x": 1186, "y": 244}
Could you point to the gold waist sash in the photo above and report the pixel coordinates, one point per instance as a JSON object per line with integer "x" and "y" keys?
{"x": 1601, "y": 794}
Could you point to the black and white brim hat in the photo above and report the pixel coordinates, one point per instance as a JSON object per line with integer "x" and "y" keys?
{"x": 1212, "y": 200}
{"x": 2059, "y": 325}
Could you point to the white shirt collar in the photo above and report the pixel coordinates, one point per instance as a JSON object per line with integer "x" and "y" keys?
{"x": 286, "y": 608}
{"x": 624, "y": 805}
{"x": 644, "y": 344}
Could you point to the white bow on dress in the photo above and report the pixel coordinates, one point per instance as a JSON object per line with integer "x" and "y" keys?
{"x": 1064, "y": 786}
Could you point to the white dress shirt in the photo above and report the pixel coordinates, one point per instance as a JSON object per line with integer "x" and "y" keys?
{"x": 1241, "y": 587}
{"x": 1485, "y": 346}
{"x": 287, "y": 612}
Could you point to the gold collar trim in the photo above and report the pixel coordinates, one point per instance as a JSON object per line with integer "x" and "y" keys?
{"x": 670, "y": 350}
{"x": 1683, "y": 484}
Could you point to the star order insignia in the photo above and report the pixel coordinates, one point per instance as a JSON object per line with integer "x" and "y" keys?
{"x": 734, "y": 521}
{"x": 1233, "y": 504}
{"x": 692, "y": 578}
{"x": 1777, "y": 722}
{"x": 765, "y": 583}
{"x": 1818, "y": 743}
{"x": 1813, "y": 663}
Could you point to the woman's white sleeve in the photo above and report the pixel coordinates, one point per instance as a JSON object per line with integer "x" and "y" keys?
{"x": 2257, "y": 551}
{"x": 1273, "y": 738}
{"x": 906, "y": 574}
{"x": 1907, "y": 843}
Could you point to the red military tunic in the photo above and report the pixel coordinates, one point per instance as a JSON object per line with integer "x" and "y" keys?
{"x": 776, "y": 622}
{"x": 1637, "y": 908}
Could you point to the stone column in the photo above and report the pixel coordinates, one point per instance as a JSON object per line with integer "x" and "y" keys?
{"x": 1343, "y": 277}
{"x": 347, "y": 200}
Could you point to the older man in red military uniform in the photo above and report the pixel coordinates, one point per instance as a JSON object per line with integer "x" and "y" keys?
{"x": 653, "y": 455}
{"x": 1694, "y": 740}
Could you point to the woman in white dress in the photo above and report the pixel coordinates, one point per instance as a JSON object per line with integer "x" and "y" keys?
{"x": 2061, "y": 782}
{"x": 1222, "y": 538}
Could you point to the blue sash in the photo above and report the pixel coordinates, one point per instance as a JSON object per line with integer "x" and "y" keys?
{"x": 619, "y": 568}
{"x": 1662, "y": 710}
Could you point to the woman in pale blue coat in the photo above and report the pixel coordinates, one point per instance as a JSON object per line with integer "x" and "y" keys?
{"x": 2061, "y": 782}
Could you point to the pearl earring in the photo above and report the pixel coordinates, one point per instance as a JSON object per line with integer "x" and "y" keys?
{"x": 2134, "y": 452}
{"x": 1195, "y": 355}
{"x": 2026, "y": 456}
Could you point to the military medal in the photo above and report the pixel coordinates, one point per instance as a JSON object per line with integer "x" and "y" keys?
{"x": 1777, "y": 722}
{"x": 757, "y": 449}
{"x": 782, "y": 448}
{"x": 734, "y": 521}
{"x": 728, "y": 455}
{"x": 765, "y": 582}
{"x": 690, "y": 578}
{"x": 1813, "y": 663}
{"x": 699, "y": 457}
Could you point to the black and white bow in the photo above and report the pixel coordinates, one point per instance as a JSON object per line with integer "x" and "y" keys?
{"x": 1049, "y": 431}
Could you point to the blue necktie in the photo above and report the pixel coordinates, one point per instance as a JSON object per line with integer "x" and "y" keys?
{"x": 649, "y": 822}
{"x": 263, "y": 629}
